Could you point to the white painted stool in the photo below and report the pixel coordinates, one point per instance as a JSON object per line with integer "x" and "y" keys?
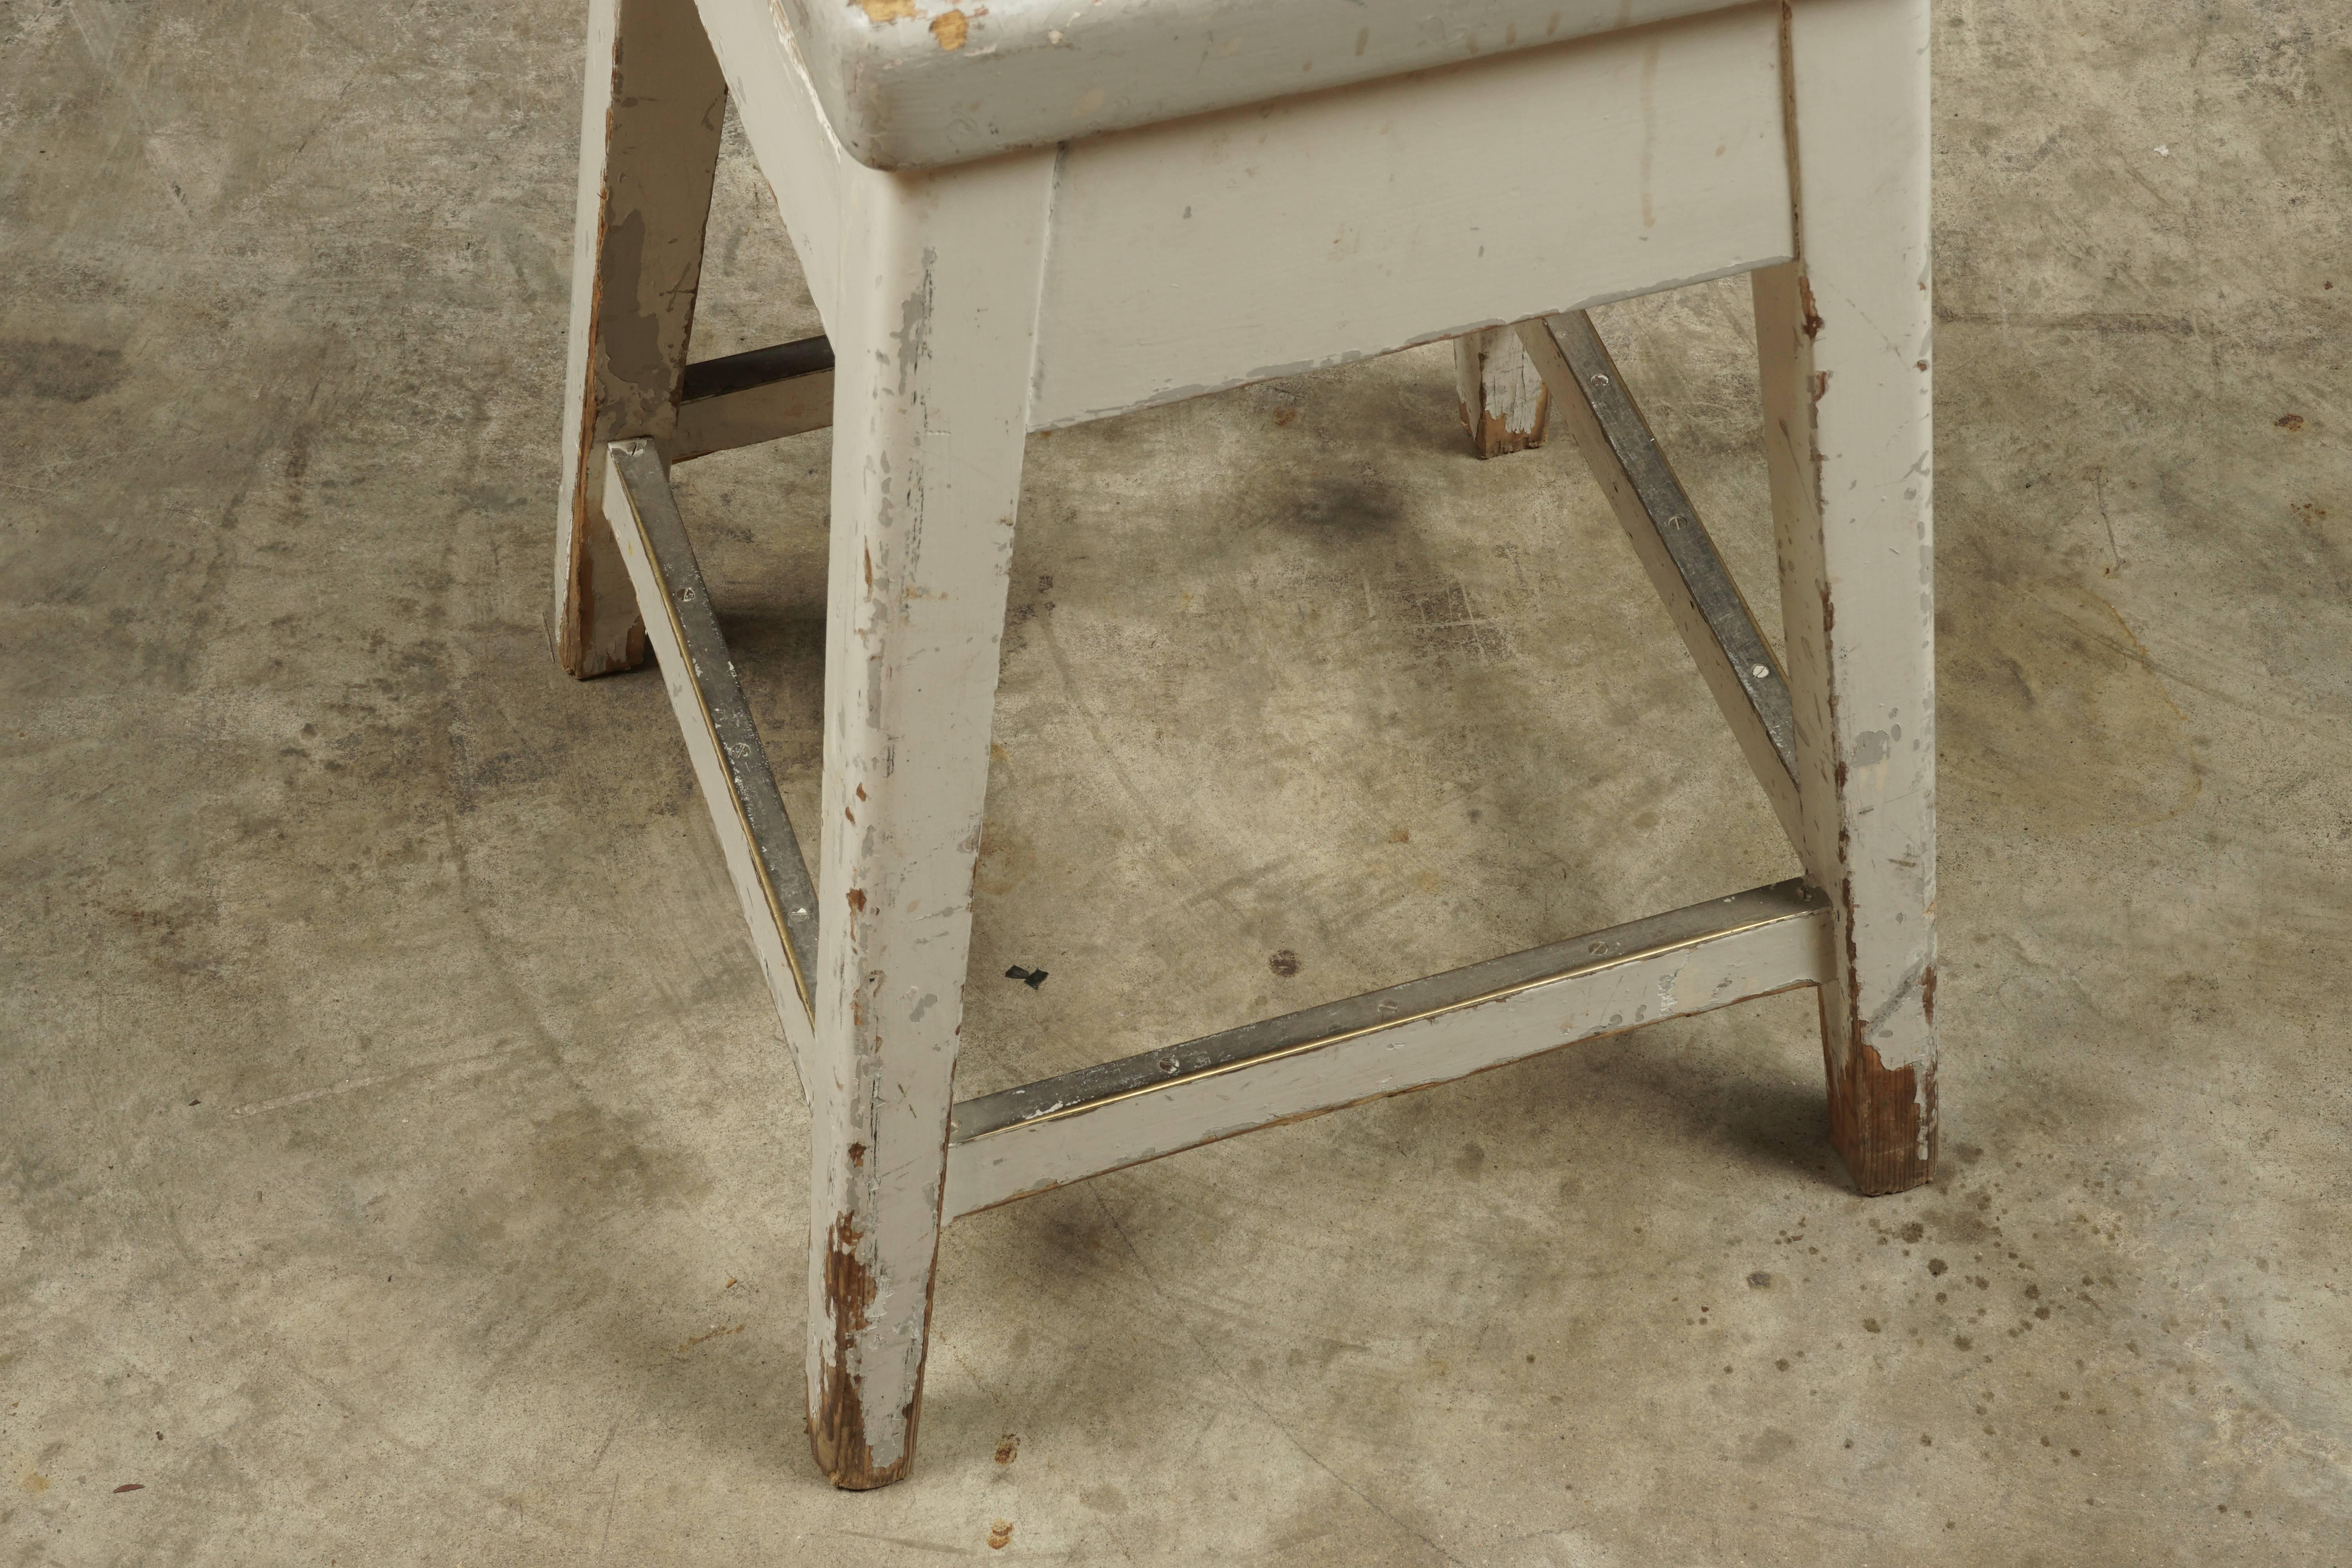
{"x": 1025, "y": 216}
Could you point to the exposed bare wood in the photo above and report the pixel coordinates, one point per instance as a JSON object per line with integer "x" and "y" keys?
{"x": 1739, "y": 666}
{"x": 760, "y": 394}
{"x": 649, "y": 133}
{"x": 1385, "y": 1042}
{"x": 1505, "y": 402}
{"x": 763, "y": 859}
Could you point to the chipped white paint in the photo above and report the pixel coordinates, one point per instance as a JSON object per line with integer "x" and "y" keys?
{"x": 649, "y": 129}
{"x": 1129, "y": 266}
{"x": 1505, "y": 403}
{"x": 1844, "y": 341}
{"x": 933, "y": 336}
{"x": 1750, "y": 958}
{"x": 918, "y": 83}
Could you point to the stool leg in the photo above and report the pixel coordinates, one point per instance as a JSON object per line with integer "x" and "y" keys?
{"x": 935, "y": 335}
{"x": 648, "y": 144}
{"x": 1505, "y": 402}
{"x": 1843, "y": 334}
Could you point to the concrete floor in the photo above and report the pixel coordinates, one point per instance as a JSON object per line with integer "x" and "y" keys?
{"x": 402, "y": 1165}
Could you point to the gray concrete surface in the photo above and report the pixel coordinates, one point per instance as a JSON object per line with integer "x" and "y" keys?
{"x": 400, "y": 1162}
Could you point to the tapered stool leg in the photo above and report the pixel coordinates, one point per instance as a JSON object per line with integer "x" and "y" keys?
{"x": 1505, "y": 402}
{"x": 1843, "y": 334}
{"x": 935, "y": 335}
{"x": 648, "y": 146}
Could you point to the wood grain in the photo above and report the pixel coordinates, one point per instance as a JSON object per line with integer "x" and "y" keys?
{"x": 1505, "y": 407}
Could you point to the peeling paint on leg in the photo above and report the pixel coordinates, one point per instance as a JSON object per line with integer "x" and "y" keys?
{"x": 846, "y": 1453}
{"x": 1883, "y": 1118}
{"x": 652, "y": 110}
{"x": 1502, "y": 398}
{"x": 935, "y": 350}
{"x": 633, "y": 376}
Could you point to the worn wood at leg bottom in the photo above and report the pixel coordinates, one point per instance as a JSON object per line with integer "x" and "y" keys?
{"x": 1504, "y": 401}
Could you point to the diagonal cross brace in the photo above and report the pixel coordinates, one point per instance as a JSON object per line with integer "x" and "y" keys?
{"x": 763, "y": 859}
{"x": 1741, "y": 670}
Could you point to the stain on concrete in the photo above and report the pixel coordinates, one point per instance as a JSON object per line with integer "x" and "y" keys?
{"x": 2052, "y": 711}
{"x": 585, "y": 1156}
{"x": 51, "y": 371}
{"x": 1007, "y": 859}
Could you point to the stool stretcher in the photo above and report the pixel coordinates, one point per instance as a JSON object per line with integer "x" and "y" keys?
{"x": 730, "y": 766}
{"x": 1061, "y": 1129}
{"x": 760, "y": 394}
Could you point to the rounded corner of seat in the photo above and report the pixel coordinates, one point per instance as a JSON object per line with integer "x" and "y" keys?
{"x": 853, "y": 64}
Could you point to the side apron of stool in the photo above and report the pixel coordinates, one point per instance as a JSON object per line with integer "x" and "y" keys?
{"x": 1843, "y": 339}
{"x": 935, "y": 334}
{"x": 649, "y": 127}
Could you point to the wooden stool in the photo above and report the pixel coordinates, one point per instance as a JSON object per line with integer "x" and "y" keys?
{"x": 1025, "y": 216}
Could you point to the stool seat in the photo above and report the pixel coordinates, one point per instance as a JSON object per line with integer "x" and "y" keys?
{"x": 913, "y": 84}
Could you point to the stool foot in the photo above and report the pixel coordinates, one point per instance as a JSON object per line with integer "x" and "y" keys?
{"x": 649, "y": 135}
{"x": 837, "y": 1403}
{"x": 1881, "y": 1119}
{"x": 1505, "y": 402}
